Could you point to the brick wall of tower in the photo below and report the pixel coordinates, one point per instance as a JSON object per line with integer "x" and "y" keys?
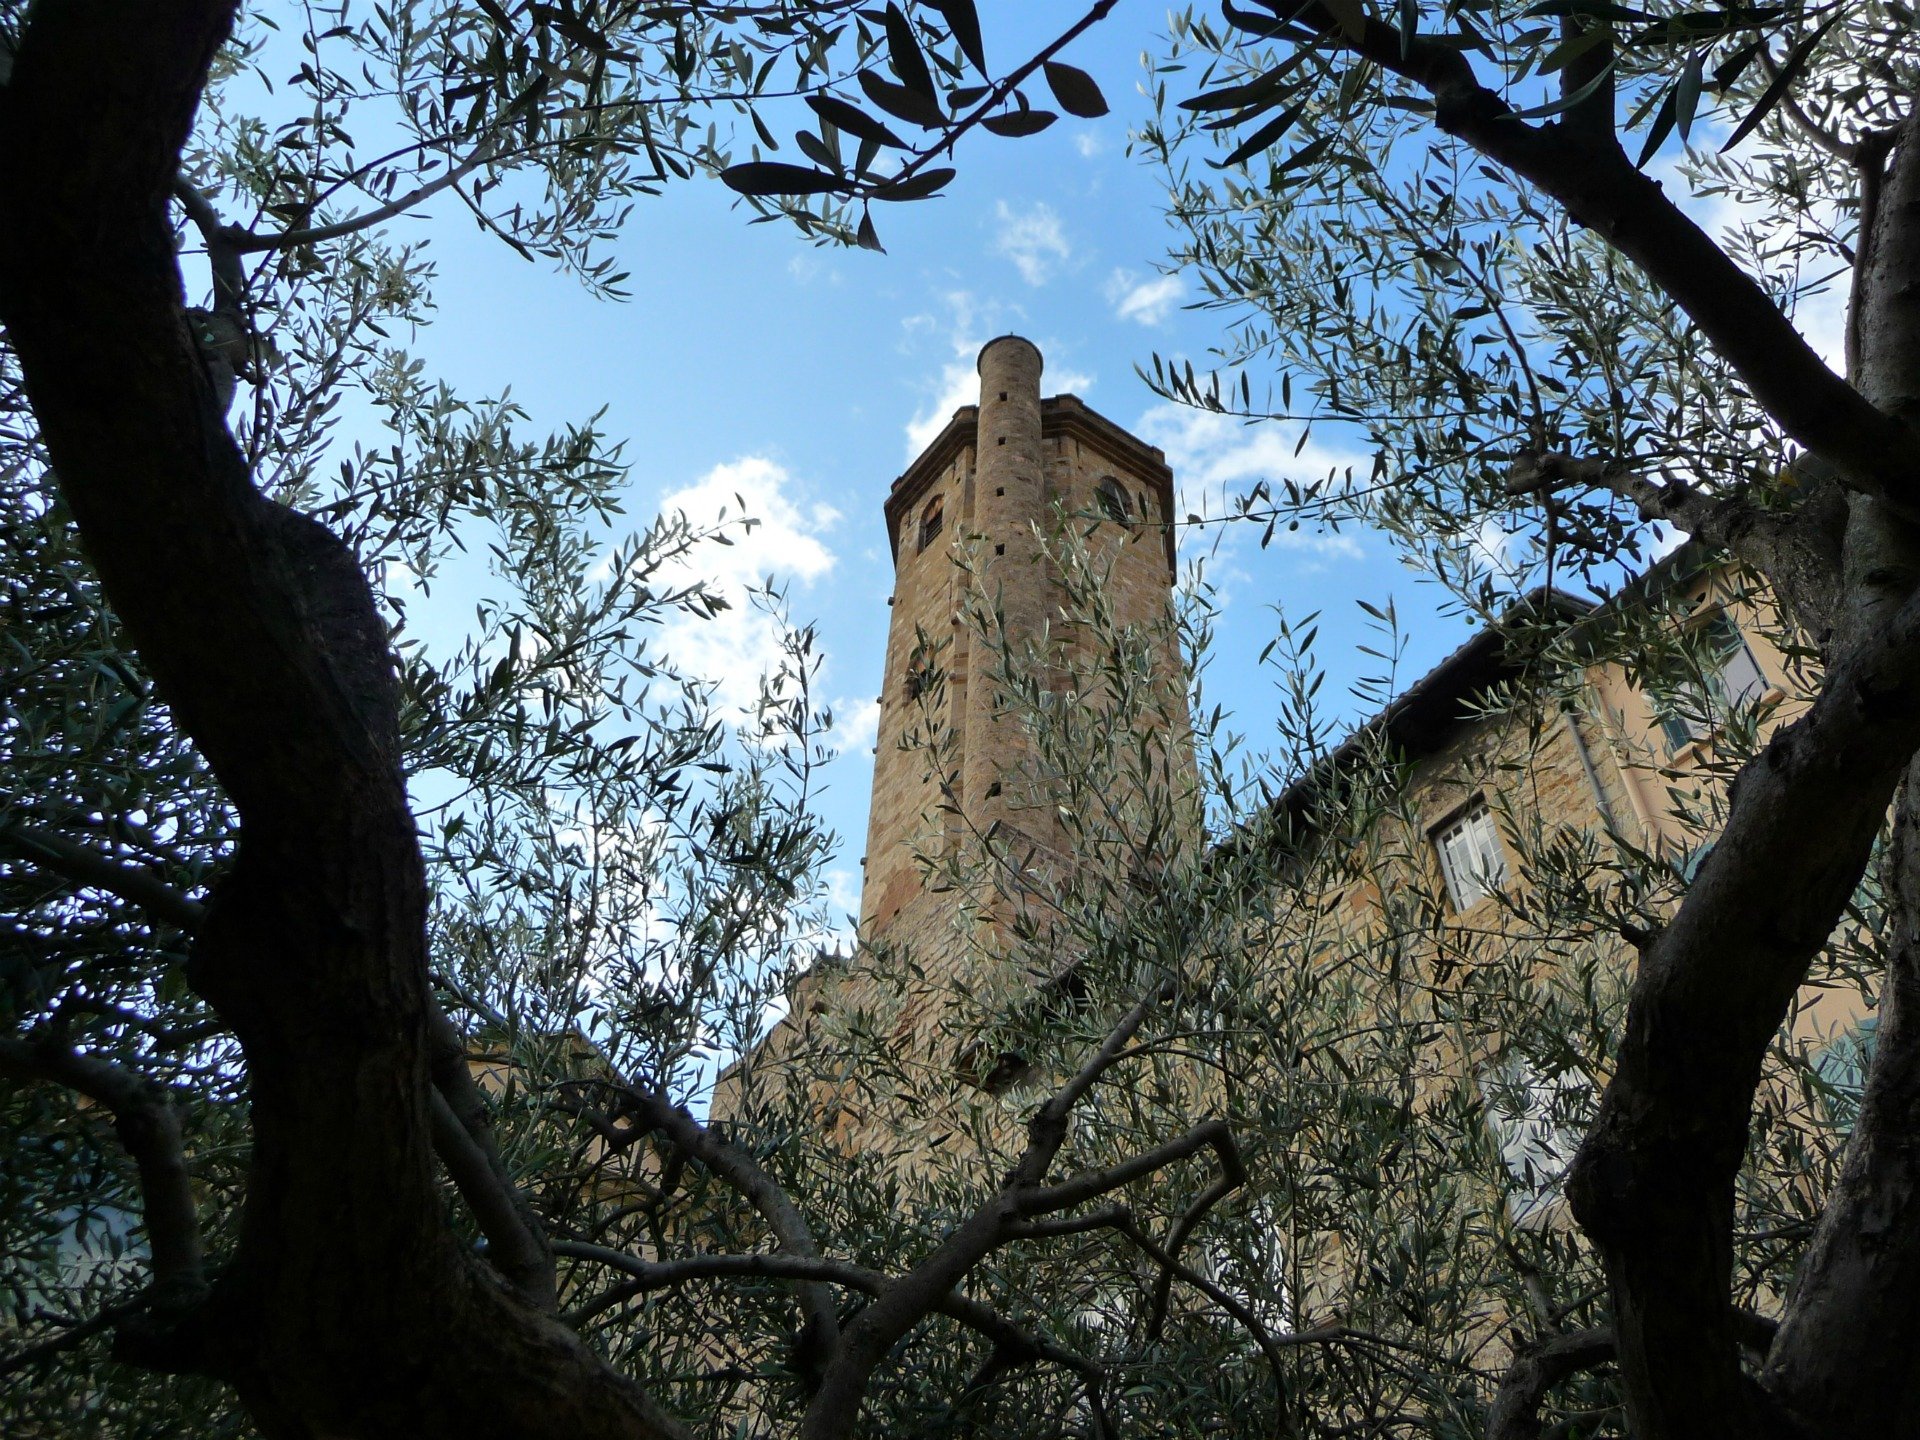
{"x": 1003, "y": 476}
{"x": 1006, "y": 474}
{"x": 916, "y": 732}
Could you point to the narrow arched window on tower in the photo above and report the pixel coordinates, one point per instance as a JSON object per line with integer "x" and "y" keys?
{"x": 931, "y": 519}
{"x": 1113, "y": 500}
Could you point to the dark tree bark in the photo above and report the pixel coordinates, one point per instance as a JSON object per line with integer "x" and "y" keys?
{"x": 1844, "y": 1364}
{"x": 1653, "y": 1184}
{"x": 348, "y": 1309}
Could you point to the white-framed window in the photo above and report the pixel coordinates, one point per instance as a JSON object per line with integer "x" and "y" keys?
{"x": 1247, "y": 1258}
{"x": 1106, "y": 1310}
{"x": 1113, "y": 499}
{"x": 1471, "y": 859}
{"x": 1537, "y": 1121}
{"x": 1695, "y": 704}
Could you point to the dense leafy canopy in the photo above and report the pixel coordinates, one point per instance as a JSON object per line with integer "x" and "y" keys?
{"x": 1257, "y": 1024}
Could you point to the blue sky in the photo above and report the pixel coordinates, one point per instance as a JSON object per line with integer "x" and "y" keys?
{"x": 804, "y": 379}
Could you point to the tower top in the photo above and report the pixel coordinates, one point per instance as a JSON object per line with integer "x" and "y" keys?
{"x": 981, "y": 363}
{"x": 1004, "y": 479}
{"x": 1009, "y": 367}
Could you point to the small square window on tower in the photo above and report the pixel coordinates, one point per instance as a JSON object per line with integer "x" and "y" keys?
{"x": 1471, "y": 859}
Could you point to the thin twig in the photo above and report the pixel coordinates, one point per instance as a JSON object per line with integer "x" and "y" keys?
{"x": 87, "y": 867}
{"x": 245, "y": 242}
{"x": 149, "y": 1129}
{"x": 998, "y": 94}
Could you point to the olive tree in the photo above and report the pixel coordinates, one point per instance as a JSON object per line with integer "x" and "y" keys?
{"x": 1468, "y": 230}
{"x": 353, "y": 988}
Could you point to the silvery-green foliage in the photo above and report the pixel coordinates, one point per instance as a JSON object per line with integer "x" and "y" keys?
{"x": 1387, "y": 284}
{"x": 1406, "y": 1085}
{"x": 619, "y": 869}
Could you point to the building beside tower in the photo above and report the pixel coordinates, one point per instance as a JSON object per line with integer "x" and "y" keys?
{"x": 1395, "y": 982}
{"x": 969, "y": 523}
{"x": 979, "y": 526}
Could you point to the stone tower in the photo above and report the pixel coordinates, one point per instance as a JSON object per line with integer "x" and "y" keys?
{"x": 970, "y": 523}
{"x": 1000, "y": 476}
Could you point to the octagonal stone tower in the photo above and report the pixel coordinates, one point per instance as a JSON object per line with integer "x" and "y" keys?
{"x": 1000, "y": 476}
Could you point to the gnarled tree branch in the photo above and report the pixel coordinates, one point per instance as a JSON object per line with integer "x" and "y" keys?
{"x": 87, "y": 867}
{"x": 1209, "y": 1134}
{"x": 1798, "y": 550}
{"x": 1535, "y": 1370}
{"x": 73, "y": 1335}
{"x": 262, "y": 636}
{"x": 650, "y": 1275}
{"x": 655, "y": 1113}
{"x": 462, "y": 1134}
{"x": 1653, "y": 1182}
{"x": 878, "y": 1328}
{"x": 1599, "y": 187}
{"x": 463, "y": 1139}
{"x": 149, "y": 1129}
{"x": 1857, "y": 1293}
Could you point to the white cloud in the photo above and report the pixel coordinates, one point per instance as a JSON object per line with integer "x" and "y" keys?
{"x": 1146, "y": 301}
{"x": 1498, "y": 548}
{"x": 1821, "y": 318}
{"x": 1215, "y": 457}
{"x": 808, "y": 266}
{"x": 1033, "y": 239}
{"x": 1087, "y": 143}
{"x": 843, "y": 892}
{"x": 856, "y": 724}
{"x": 1666, "y": 540}
{"x": 959, "y": 384}
{"x": 970, "y": 326}
{"x": 742, "y": 643}
{"x": 1214, "y": 454}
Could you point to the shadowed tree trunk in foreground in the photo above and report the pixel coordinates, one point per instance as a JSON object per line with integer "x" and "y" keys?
{"x": 349, "y": 1308}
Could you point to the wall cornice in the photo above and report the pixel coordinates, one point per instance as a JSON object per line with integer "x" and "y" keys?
{"x": 1060, "y": 416}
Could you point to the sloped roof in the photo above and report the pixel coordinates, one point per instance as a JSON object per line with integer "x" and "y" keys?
{"x": 1418, "y": 720}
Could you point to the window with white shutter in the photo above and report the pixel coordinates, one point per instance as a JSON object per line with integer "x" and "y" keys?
{"x": 1691, "y": 706}
{"x": 1537, "y": 1120}
{"x": 1471, "y": 859}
